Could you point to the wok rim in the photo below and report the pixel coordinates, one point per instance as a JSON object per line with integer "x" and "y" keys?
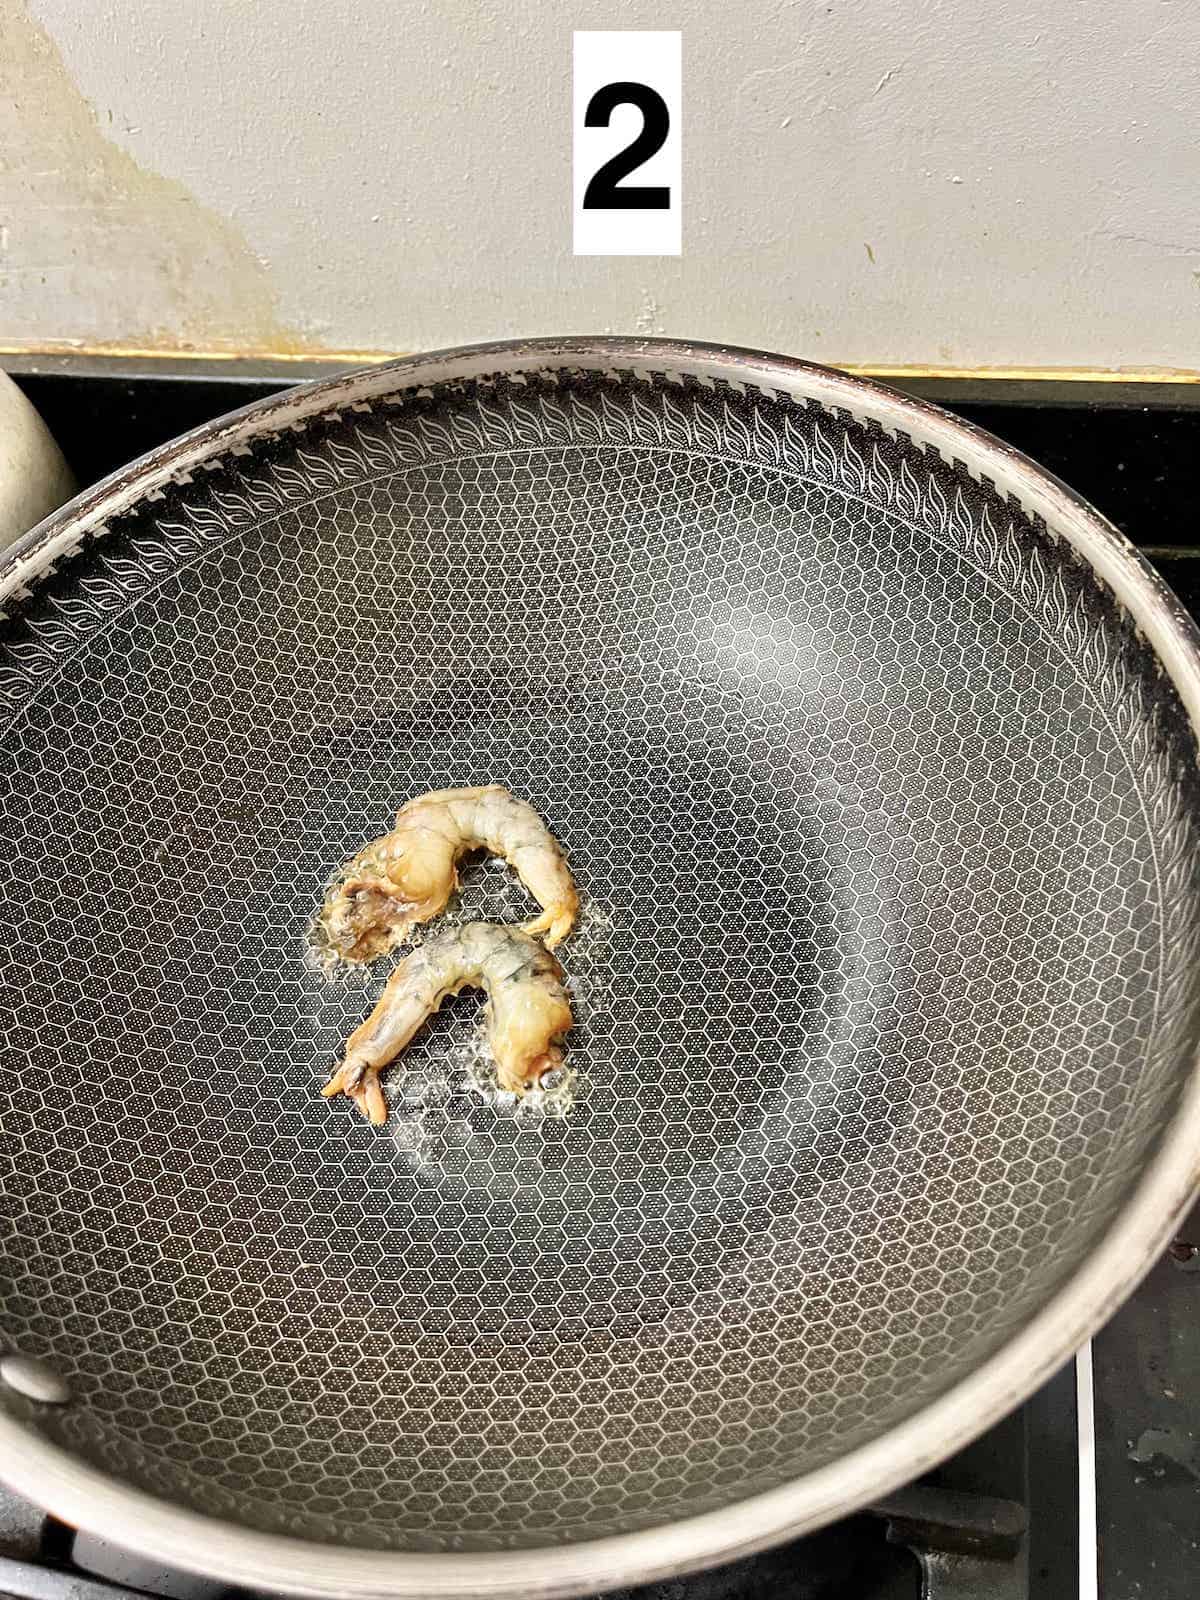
{"x": 90, "y": 1499}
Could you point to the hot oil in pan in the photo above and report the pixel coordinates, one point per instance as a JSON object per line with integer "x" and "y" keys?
{"x": 715, "y": 1026}
{"x": 447, "y": 1074}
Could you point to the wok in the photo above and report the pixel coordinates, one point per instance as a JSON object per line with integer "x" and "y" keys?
{"x": 873, "y": 749}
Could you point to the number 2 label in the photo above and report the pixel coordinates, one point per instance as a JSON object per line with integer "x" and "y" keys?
{"x": 627, "y": 144}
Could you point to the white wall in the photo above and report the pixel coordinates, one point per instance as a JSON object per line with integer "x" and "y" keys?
{"x": 937, "y": 182}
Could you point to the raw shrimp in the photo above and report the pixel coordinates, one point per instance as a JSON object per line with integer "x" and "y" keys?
{"x": 408, "y": 876}
{"x": 527, "y": 1009}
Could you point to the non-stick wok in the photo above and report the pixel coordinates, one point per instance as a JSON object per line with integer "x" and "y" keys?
{"x": 873, "y": 749}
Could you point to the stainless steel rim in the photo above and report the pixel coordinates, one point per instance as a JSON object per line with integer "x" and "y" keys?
{"x": 86, "y": 1497}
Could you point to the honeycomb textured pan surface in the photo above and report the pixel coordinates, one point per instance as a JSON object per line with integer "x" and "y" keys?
{"x": 886, "y": 981}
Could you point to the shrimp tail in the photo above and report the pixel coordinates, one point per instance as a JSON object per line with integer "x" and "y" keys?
{"x": 517, "y": 1081}
{"x": 553, "y": 926}
{"x": 360, "y": 1083}
{"x": 370, "y": 1102}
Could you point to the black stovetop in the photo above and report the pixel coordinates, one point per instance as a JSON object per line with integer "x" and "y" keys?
{"x": 1001, "y": 1521}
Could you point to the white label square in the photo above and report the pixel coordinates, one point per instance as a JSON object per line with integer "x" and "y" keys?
{"x": 627, "y": 141}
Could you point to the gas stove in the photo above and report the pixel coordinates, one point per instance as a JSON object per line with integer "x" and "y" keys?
{"x": 1092, "y": 1488}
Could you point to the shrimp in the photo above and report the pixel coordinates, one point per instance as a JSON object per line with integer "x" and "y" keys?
{"x": 527, "y": 1009}
{"x": 407, "y": 876}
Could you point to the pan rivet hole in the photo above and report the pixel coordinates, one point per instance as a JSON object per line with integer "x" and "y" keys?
{"x": 35, "y": 1380}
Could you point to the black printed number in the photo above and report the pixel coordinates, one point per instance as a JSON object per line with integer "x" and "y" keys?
{"x": 602, "y": 193}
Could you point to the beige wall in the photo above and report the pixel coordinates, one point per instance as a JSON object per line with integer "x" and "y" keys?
{"x": 931, "y": 182}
